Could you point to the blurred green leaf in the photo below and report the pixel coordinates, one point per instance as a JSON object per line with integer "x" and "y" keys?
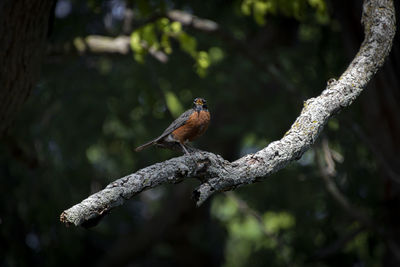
{"x": 333, "y": 124}
{"x": 224, "y": 208}
{"x": 188, "y": 44}
{"x": 276, "y": 221}
{"x": 173, "y": 104}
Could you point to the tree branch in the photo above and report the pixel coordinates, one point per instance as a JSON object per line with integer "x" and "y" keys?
{"x": 328, "y": 172}
{"x": 96, "y": 44}
{"x": 217, "y": 174}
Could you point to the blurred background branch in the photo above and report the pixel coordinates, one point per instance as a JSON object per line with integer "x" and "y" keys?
{"x": 328, "y": 173}
{"x": 95, "y": 44}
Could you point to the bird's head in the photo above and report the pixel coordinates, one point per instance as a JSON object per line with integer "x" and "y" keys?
{"x": 199, "y": 104}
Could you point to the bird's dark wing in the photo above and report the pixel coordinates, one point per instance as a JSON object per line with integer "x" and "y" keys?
{"x": 181, "y": 120}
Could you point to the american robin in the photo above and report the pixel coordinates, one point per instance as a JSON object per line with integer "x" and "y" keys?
{"x": 187, "y": 127}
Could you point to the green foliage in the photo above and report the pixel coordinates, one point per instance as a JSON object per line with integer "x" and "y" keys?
{"x": 294, "y": 8}
{"x": 173, "y": 104}
{"x": 247, "y": 235}
{"x": 276, "y": 221}
{"x": 333, "y": 124}
{"x": 157, "y": 36}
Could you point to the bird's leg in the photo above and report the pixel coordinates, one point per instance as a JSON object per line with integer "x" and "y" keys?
{"x": 191, "y": 149}
{"x": 184, "y": 148}
{"x": 186, "y": 151}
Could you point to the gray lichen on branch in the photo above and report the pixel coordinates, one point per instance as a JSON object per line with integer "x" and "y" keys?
{"x": 217, "y": 174}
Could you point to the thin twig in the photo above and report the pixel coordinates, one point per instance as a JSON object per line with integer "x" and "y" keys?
{"x": 328, "y": 172}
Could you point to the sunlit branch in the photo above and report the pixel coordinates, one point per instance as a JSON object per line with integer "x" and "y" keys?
{"x": 217, "y": 174}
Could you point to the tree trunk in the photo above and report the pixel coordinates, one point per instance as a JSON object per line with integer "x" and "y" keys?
{"x": 23, "y": 31}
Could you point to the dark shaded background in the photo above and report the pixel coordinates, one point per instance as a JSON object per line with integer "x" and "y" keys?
{"x": 89, "y": 109}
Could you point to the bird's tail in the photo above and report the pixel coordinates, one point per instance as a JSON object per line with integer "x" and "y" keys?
{"x": 146, "y": 145}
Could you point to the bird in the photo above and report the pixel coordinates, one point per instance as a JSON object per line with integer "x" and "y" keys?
{"x": 187, "y": 127}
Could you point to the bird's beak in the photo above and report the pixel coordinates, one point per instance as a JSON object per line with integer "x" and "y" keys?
{"x": 199, "y": 102}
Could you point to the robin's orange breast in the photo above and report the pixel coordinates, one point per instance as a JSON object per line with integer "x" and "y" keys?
{"x": 195, "y": 126}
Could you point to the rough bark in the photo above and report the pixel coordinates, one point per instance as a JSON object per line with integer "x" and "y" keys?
{"x": 217, "y": 174}
{"x": 23, "y": 30}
